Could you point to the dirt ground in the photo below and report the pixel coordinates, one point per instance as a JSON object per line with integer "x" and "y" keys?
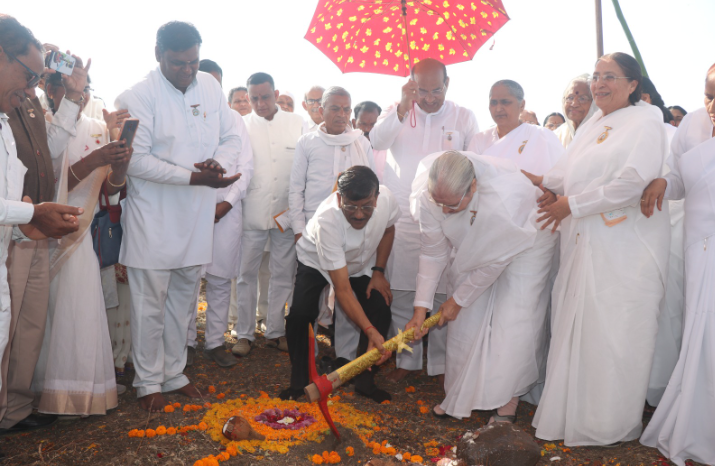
{"x": 103, "y": 440}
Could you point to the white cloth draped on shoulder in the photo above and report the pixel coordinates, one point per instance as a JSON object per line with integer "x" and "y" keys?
{"x": 75, "y": 372}
{"x": 533, "y": 148}
{"x": 682, "y": 427}
{"x": 611, "y": 280}
{"x": 497, "y": 344}
{"x": 567, "y": 131}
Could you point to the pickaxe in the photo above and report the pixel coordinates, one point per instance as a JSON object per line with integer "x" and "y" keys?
{"x": 323, "y": 385}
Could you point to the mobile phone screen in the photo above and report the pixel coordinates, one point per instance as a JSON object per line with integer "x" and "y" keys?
{"x": 129, "y": 130}
{"x": 61, "y": 62}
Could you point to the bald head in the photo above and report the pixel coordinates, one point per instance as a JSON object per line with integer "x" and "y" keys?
{"x": 429, "y": 66}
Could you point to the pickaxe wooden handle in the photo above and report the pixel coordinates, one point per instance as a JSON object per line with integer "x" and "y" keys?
{"x": 322, "y": 386}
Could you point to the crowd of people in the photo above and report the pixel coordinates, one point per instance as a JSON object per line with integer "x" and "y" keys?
{"x": 569, "y": 262}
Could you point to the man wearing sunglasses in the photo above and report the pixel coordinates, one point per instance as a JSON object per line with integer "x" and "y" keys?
{"x": 345, "y": 244}
{"x": 21, "y": 64}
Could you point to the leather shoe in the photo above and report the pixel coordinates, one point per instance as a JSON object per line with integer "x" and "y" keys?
{"x": 33, "y": 421}
{"x": 221, "y": 357}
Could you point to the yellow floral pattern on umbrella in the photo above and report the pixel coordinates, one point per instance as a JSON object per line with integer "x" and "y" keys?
{"x": 350, "y": 32}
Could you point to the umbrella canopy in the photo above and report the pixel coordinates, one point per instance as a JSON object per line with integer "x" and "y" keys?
{"x": 390, "y": 36}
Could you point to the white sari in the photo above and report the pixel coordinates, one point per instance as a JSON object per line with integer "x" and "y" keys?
{"x": 611, "y": 280}
{"x": 75, "y": 372}
{"x": 498, "y": 274}
{"x": 682, "y": 427}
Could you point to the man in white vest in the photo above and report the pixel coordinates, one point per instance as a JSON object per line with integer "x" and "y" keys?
{"x": 422, "y": 123}
{"x": 274, "y": 135}
{"x": 186, "y": 135}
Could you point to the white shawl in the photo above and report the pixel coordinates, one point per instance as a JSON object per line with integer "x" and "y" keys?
{"x": 346, "y": 145}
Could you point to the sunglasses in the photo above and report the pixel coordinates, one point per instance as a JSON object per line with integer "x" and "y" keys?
{"x": 34, "y": 79}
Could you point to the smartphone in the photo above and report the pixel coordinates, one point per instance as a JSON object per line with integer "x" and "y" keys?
{"x": 61, "y": 62}
{"x": 129, "y": 130}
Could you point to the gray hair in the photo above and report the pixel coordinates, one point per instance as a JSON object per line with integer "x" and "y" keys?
{"x": 582, "y": 79}
{"x": 452, "y": 172}
{"x": 331, "y": 91}
{"x": 514, "y": 88}
{"x": 313, "y": 88}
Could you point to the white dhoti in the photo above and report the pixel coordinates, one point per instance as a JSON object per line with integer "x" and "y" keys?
{"x": 282, "y": 267}
{"x": 402, "y": 309}
{"x": 497, "y": 346}
{"x": 218, "y": 299}
{"x": 163, "y": 304}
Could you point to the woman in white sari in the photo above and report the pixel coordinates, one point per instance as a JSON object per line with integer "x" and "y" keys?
{"x": 533, "y": 148}
{"x": 682, "y": 427}
{"x": 484, "y": 210}
{"x": 612, "y": 272}
{"x": 578, "y": 108}
{"x": 75, "y": 373}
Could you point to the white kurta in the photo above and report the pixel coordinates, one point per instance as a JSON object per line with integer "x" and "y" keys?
{"x": 330, "y": 243}
{"x": 273, "y": 142}
{"x": 451, "y": 127}
{"x": 533, "y": 148}
{"x": 682, "y": 426}
{"x": 316, "y": 166}
{"x": 12, "y": 212}
{"x": 227, "y": 232}
{"x": 611, "y": 280}
{"x": 168, "y": 224}
{"x": 497, "y": 344}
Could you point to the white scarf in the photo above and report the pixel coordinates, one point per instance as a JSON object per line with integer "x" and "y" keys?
{"x": 567, "y": 136}
{"x": 349, "y": 142}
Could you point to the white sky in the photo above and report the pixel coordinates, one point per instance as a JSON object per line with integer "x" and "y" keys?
{"x": 543, "y": 46}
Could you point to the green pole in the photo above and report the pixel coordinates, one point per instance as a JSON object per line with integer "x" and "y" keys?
{"x": 631, "y": 40}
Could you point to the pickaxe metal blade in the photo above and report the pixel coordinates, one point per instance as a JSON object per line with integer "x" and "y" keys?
{"x": 324, "y": 385}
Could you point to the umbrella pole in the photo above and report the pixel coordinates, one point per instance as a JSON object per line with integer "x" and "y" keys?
{"x": 599, "y": 30}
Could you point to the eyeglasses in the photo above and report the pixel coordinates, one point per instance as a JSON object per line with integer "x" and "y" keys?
{"x": 34, "y": 77}
{"x": 608, "y": 78}
{"x": 582, "y": 99}
{"x": 450, "y": 207}
{"x": 312, "y": 101}
{"x": 434, "y": 93}
{"x": 87, "y": 89}
{"x": 366, "y": 209}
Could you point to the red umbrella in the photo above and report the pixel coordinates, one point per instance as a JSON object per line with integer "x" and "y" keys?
{"x": 389, "y": 36}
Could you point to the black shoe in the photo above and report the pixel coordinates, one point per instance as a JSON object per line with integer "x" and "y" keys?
{"x": 326, "y": 365}
{"x": 190, "y": 353}
{"x": 220, "y": 356}
{"x": 33, "y": 421}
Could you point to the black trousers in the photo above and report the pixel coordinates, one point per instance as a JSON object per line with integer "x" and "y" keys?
{"x": 309, "y": 283}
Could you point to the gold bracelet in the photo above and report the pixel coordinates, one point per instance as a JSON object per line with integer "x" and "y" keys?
{"x": 109, "y": 180}
{"x": 73, "y": 174}
{"x": 401, "y": 116}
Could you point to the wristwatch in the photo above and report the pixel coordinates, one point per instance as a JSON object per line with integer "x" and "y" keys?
{"x": 378, "y": 269}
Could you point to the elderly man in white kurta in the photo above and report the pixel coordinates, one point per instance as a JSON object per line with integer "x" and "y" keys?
{"x": 319, "y": 158}
{"x": 226, "y": 253}
{"x": 169, "y": 213}
{"x": 477, "y": 214}
{"x": 421, "y": 124}
{"x": 274, "y": 135}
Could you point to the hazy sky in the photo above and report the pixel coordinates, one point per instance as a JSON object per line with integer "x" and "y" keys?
{"x": 543, "y": 46}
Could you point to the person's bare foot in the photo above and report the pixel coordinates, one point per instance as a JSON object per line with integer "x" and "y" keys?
{"x": 191, "y": 391}
{"x": 398, "y": 375}
{"x": 154, "y": 402}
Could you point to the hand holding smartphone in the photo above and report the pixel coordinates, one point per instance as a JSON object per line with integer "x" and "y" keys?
{"x": 129, "y": 130}
{"x": 60, "y": 62}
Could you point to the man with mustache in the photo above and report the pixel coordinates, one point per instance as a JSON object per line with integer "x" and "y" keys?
{"x": 311, "y": 104}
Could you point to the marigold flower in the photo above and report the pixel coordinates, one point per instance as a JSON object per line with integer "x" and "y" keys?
{"x": 207, "y": 405}
{"x": 386, "y": 402}
{"x": 150, "y": 433}
{"x": 168, "y": 409}
{"x": 203, "y": 425}
{"x": 420, "y": 402}
{"x": 199, "y": 463}
{"x": 406, "y": 456}
{"x": 171, "y": 431}
{"x": 161, "y": 430}
{"x": 212, "y": 389}
{"x": 326, "y": 455}
{"x": 376, "y": 451}
{"x": 220, "y": 396}
{"x": 431, "y": 443}
{"x": 264, "y": 394}
{"x": 416, "y": 459}
{"x": 334, "y": 458}
{"x": 177, "y": 405}
{"x": 231, "y": 450}
{"x": 317, "y": 459}
{"x": 224, "y": 456}
{"x": 410, "y": 389}
{"x": 424, "y": 409}
{"x": 350, "y": 451}
{"x": 132, "y": 433}
{"x": 210, "y": 462}
{"x": 391, "y": 451}
{"x": 195, "y": 407}
{"x": 187, "y": 408}
{"x": 140, "y": 433}
{"x": 432, "y": 451}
